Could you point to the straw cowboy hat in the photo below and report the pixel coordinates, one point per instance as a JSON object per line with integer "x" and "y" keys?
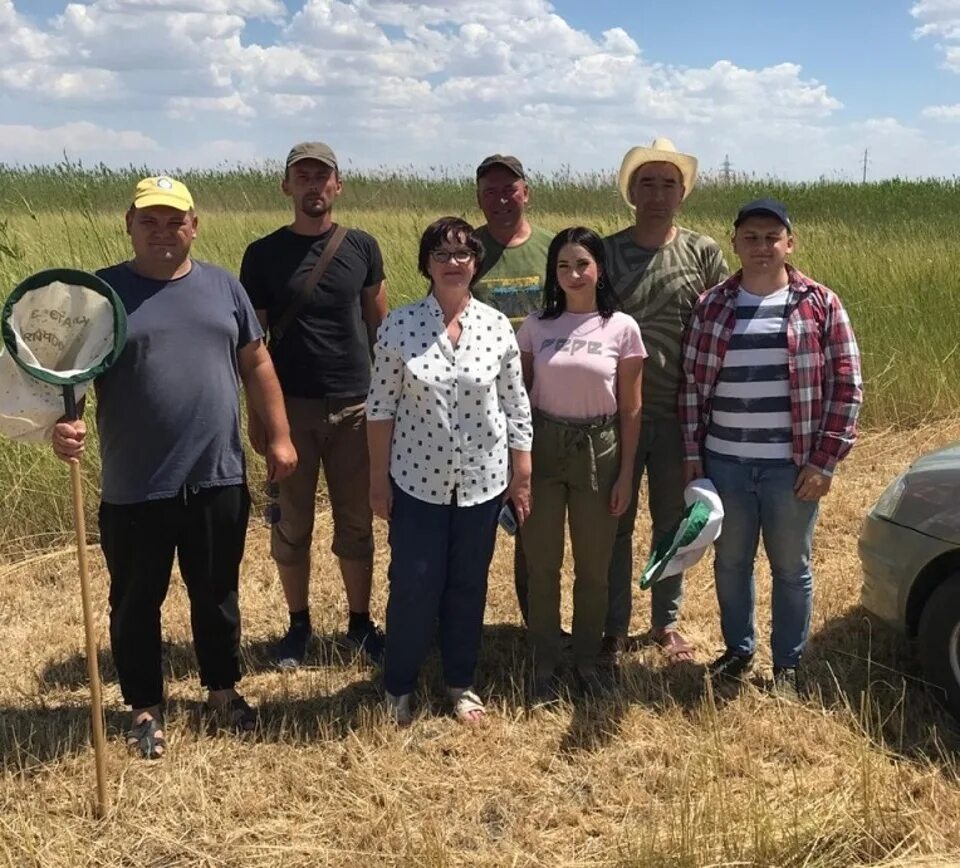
{"x": 661, "y": 151}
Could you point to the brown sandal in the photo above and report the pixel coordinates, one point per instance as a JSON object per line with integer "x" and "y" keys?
{"x": 146, "y": 739}
{"x": 674, "y": 646}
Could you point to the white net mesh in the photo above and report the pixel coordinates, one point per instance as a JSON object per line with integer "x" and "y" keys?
{"x": 60, "y": 329}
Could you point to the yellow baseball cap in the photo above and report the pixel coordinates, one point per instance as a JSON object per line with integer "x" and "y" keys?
{"x": 162, "y": 190}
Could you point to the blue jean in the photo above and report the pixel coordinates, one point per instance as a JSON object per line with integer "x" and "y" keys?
{"x": 439, "y": 558}
{"x": 758, "y": 498}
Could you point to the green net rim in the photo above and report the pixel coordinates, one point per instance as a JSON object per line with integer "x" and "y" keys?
{"x": 696, "y": 515}
{"x": 74, "y": 277}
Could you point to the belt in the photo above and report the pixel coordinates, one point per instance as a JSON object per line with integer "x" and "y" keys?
{"x": 579, "y": 433}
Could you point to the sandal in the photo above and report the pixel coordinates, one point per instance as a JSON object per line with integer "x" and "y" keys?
{"x": 398, "y": 708}
{"x": 237, "y": 715}
{"x": 467, "y": 706}
{"x": 146, "y": 738}
{"x": 672, "y": 643}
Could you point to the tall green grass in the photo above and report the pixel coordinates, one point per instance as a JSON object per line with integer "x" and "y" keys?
{"x": 889, "y": 250}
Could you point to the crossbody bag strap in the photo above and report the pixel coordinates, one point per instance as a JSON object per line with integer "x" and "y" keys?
{"x": 278, "y": 330}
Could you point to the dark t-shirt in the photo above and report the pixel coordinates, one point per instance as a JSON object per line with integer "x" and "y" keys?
{"x": 325, "y": 353}
{"x": 168, "y": 411}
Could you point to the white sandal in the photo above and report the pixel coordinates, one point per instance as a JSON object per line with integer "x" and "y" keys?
{"x": 398, "y": 708}
{"x": 466, "y": 703}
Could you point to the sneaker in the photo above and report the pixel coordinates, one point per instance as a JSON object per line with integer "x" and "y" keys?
{"x": 291, "y": 650}
{"x": 368, "y": 640}
{"x": 786, "y": 684}
{"x": 730, "y": 666}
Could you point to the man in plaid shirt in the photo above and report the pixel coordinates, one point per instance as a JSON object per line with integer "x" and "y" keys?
{"x": 768, "y": 408}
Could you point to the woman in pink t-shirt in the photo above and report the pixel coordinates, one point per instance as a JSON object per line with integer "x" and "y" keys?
{"x": 582, "y": 362}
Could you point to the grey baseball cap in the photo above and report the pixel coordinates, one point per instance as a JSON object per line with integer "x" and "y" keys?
{"x": 312, "y": 151}
{"x": 508, "y": 162}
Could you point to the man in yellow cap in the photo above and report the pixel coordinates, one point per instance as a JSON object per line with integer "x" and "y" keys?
{"x": 658, "y": 270}
{"x": 173, "y": 478}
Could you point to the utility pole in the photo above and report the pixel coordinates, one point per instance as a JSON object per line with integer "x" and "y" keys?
{"x": 725, "y": 169}
{"x": 866, "y": 151}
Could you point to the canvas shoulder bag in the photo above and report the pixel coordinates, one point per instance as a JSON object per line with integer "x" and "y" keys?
{"x": 279, "y": 329}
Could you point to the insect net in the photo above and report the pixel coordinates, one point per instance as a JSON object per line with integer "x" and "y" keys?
{"x": 61, "y": 328}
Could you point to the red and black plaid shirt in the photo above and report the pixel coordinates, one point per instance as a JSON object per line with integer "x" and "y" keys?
{"x": 826, "y": 389}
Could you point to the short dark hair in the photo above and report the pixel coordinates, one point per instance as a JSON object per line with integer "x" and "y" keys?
{"x": 554, "y": 300}
{"x": 449, "y": 229}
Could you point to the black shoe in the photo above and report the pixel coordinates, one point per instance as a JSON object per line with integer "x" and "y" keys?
{"x": 730, "y": 666}
{"x": 368, "y": 640}
{"x": 292, "y": 648}
{"x": 786, "y": 684}
{"x": 544, "y": 690}
{"x": 611, "y": 653}
{"x": 592, "y": 684}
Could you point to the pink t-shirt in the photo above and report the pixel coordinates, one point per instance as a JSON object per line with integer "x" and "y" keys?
{"x": 575, "y": 358}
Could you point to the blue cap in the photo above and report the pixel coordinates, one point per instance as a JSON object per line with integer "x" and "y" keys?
{"x": 764, "y": 208}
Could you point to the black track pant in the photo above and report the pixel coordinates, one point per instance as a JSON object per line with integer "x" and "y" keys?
{"x": 206, "y": 529}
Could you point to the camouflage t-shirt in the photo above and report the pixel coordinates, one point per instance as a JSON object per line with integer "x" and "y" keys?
{"x": 511, "y": 278}
{"x": 658, "y": 288}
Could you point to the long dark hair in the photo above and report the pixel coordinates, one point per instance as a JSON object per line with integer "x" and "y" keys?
{"x": 554, "y": 300}
{"x": 449, "y": 229}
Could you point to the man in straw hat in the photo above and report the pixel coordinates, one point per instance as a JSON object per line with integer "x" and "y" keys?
{"x": 332, "y": 311}
{"x": 658, "y": 269}
{"x": 173, "y": 477}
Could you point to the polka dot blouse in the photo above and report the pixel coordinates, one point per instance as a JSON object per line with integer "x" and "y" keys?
{"x": 457, "y": 411}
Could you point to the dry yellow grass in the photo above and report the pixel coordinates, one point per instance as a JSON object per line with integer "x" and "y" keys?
{"x": 865, "y": 771}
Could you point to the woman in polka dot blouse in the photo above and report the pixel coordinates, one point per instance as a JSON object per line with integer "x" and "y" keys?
{"x": 582, "y": 361}
{"x": 449, "y": 431}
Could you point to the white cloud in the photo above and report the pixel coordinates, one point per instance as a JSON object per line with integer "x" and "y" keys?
{"x": 942, "y": 112}
{"x": 188, "y": 107}
{"x": 940, "y": 19}
{"x": 30, "y": 144}
{"x": 434, "y": 82}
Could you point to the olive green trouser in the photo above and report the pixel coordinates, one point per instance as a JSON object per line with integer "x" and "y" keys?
{"x": 575, "y": 465}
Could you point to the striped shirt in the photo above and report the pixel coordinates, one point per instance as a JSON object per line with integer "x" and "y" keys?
{"x": 826, "y": 389}
{"x": 750, "y": 411}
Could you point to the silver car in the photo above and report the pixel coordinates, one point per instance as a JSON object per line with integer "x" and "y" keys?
{"x": 910, "y": 552}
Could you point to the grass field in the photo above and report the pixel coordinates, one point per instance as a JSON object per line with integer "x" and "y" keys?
{"x": 865, "y": 771}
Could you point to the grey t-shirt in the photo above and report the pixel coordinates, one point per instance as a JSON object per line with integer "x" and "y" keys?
{"x": 168, "y": 411}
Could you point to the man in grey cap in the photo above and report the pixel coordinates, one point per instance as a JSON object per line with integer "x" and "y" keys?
{"x": 319, "y": 290}
{"x": 512, "y": 271}
{"x": 511, "y": 275}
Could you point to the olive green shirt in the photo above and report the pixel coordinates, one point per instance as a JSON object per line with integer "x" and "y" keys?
{"x": 511, "y": 278}
{"x": 658, "y": 287}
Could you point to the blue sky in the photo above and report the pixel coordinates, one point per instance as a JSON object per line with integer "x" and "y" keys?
{"x": 792, "y": 90}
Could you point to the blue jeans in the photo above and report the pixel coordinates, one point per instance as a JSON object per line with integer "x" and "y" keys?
{"x": 758, "y": 498}
{"x": 439, "y": 558}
